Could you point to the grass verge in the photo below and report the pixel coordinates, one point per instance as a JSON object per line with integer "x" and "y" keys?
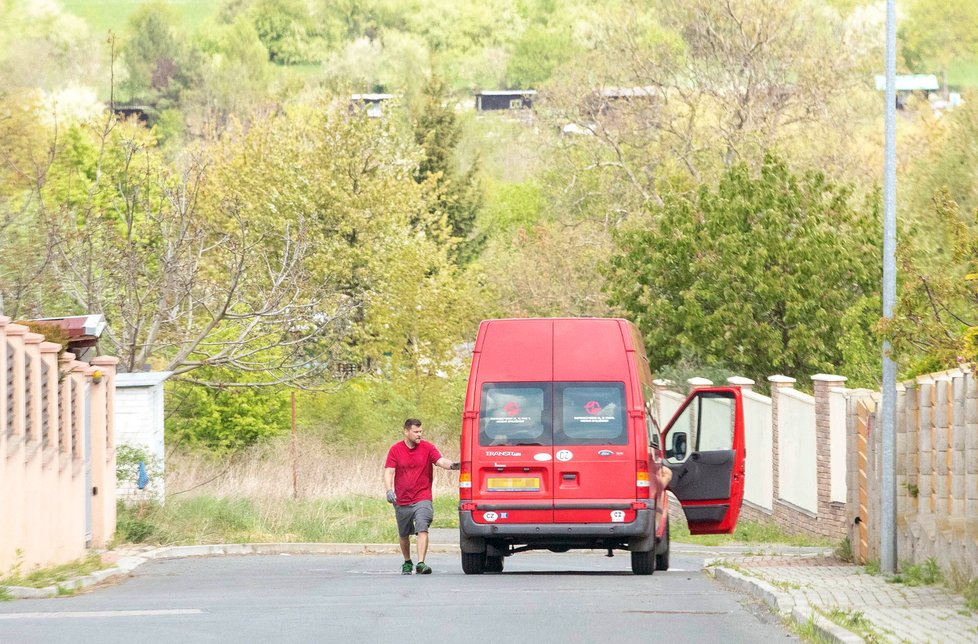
{"x": 44, "y": 577}
{"x": 207, "y": 519}
{"x": 855, "y": 622}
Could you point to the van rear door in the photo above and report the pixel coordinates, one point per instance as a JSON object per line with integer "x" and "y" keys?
{"x": 513, "y": 460}
{"x": 512, "y": 451}
{"x": 593, "y": 458}
{"x": 704, "y": 447}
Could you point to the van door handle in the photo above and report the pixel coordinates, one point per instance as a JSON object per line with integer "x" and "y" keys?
{"x": 568, "y": 476}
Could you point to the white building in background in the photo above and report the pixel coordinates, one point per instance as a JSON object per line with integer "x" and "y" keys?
{"x": 139, "y": 423}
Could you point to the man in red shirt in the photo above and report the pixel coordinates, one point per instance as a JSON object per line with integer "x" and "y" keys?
{"x": 408, "y": 477}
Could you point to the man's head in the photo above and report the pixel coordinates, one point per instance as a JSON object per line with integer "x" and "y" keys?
{"x": 412, "y": 432}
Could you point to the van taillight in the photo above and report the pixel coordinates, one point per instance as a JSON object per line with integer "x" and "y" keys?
{"x": 465, "y": 481}
{"x": 641, "y": 479}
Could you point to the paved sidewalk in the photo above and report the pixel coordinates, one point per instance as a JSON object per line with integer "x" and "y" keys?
{"x": 811, "y": 588}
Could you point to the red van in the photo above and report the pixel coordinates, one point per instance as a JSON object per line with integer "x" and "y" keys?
{"x": 559, "y": 448}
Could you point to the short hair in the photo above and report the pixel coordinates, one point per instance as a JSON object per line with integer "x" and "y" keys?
{"x": 412, "y": 422}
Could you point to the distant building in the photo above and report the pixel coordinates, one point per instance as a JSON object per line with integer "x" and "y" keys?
{"x": 145, "y": 114}
{"x": 907, "y": 84}
{"x": 504, "y": 99}
{"x": 371, "y": 103}
{"x": 81, "y": 331}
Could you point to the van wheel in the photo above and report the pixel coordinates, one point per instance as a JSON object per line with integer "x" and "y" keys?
{"x": 494, "y": 564}
{"x": 473, "y": 563}
{"x": 642, "y": 562}
{"x": 662, "y": 552}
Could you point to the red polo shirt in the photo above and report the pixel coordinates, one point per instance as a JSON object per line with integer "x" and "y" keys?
{"x": 412, "y": 471}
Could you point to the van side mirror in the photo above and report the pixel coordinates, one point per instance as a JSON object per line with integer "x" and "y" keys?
{"x": 678, "y": 448}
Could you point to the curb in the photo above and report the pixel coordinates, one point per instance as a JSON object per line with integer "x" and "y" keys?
{"x": 125, "y": 565}
{"x": 783, "y": 603}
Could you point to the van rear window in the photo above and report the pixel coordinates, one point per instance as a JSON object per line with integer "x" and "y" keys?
{"x": 567, "y": 413}
{"x": 516, "y": 414}
{"x": 590, "y": 414}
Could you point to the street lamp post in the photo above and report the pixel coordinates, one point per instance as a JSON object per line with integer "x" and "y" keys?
{"x": 888, "y": 407}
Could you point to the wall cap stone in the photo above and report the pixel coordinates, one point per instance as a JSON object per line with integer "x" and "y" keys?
{"x": 781, "y": 380}
{"x": 826, "y": 377}
{"x": 699, "y": 382}
{"x": 740, "y": 381}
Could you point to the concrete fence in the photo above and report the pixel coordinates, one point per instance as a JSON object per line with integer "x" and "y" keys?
{"x": 796, "y": 451}
{"x": 936, "y": 471}
{"x": 57, "y": 455}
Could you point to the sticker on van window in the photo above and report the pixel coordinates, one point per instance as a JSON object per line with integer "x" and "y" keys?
{"x": 617, "y": 516}
{"x": 492, "y": 516}
{"x": 542, "y": 456}
{"x": 593, "y": 407}
{"x": 511, "y": 408}
{"x": 565, "y": 455}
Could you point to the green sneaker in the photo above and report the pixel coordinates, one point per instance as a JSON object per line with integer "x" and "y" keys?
{"x": 423, "y": 568}
{"x": 407, "y": 568}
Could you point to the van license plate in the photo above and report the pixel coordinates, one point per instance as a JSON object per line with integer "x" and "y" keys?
{"x": 496, "y": 484}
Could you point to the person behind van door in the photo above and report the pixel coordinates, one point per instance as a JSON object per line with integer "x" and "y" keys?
{"x": 408, "y": 476}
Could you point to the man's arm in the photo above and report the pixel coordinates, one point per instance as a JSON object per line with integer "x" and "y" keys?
{"x": 389, "y": 484}
{"x": 448, "y": 464}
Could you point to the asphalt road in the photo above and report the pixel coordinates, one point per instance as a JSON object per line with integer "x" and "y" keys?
{"x": 541, "y": 597}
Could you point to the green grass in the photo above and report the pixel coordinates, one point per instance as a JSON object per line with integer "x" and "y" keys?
{"x": 963, "y": 73}
{"x": 205, "y": 519}
{"x": 44, "y": 577}
{"x": 103, "y": 15}
{"x": 748, "y": 532}
{"x": 925, "y": 574}
{"x": 855, "y": 622}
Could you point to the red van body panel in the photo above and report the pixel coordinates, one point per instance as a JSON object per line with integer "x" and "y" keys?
{"x": 559, "y": 449}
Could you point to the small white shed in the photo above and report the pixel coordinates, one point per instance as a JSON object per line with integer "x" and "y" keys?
{"x": 139, "y": 423}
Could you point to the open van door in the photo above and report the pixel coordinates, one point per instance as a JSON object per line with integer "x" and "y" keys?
{"x": 704, "y": 448}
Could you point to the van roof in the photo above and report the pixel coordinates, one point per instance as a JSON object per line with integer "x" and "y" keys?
{"x": 555, "y": 349}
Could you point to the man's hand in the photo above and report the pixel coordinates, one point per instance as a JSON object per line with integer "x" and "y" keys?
{"x": 391, "y": 497}
{"x": 455, "y": 466}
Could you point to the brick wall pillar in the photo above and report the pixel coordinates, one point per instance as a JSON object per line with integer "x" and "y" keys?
{"x": 831, "y": 520}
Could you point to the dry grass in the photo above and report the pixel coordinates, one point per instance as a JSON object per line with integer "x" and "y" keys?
{"x": 266, "y": 472}
{"x": 248, "y": 497}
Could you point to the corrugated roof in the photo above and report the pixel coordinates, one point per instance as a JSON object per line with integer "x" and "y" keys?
{"x": 910, "y": 82}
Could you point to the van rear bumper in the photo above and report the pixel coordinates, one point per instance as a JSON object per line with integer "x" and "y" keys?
{"x": 639, "y": 533}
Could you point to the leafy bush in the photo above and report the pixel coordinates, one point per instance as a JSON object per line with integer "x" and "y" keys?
{"x": 225, "y": 419}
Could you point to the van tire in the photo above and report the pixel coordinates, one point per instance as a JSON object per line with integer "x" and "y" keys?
{"x": 473, "y": 563}
{"x": 642, "y": 562}
{"x": 662, "y": 551}
{"x": 494, "y": 564}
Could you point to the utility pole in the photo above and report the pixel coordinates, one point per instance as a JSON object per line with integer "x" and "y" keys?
{"x": 888, "y": 561}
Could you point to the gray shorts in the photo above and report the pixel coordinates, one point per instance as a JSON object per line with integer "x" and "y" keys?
{"x": 414, "y": 518}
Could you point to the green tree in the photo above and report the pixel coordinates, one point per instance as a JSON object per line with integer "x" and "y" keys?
{"x": 934, "y": 325}
{"x": 754, "y": 274}
{"x": 459, "y": 194}
{"x": 156, "y": 59}
{"x": 286, "y": 29}
{"x": 537, "y": 53}
{"x": 936, "y": 32}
